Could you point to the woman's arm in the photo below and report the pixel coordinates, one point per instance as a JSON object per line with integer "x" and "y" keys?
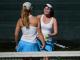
{"x": 17, "y": 30}
{"x": 40, "y": 35}
{"x": 54, "y": 28}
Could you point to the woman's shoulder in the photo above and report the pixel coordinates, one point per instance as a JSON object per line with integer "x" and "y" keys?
{"x": 33, "y": 20}
{"x": 54, "y": 19}
{"x": 32, "y": 17}
{"x": 39, "y": 16}
{"x": 20, "y": 22}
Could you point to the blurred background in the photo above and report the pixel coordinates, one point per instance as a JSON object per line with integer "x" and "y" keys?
{"x": 67, "y": 13}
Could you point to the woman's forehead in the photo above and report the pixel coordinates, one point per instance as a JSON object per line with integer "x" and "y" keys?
{"x": 47, "y": 7}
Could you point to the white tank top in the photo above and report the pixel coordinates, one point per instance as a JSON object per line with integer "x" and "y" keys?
{"x": 46, "y": 27}
{"x": 29, "y": 34}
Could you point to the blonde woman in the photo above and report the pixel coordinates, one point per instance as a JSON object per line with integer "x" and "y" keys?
{"x": 28, "y": 24}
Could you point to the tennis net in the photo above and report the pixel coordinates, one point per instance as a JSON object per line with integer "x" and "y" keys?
{"x": 56, "y": 55}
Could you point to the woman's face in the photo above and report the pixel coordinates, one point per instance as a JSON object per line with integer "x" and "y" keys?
{"x": 46, "y": 10}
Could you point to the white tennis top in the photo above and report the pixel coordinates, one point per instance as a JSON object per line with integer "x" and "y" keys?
{"x": 46, "y": 27}
{"x": 29, "y": 34}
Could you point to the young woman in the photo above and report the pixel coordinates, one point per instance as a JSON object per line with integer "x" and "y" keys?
{"x": 28, "y": 24}
{"x": 49, "y": 28}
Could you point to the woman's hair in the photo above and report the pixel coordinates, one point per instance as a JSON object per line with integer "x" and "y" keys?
{"x": 26, "y": 8}
{"x": 52, "y": 12}
{"x": 25, "y": 17}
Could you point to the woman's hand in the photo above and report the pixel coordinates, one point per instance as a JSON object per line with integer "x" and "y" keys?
{"x": 50, "y": 35}
{"x": 43, "y": 45}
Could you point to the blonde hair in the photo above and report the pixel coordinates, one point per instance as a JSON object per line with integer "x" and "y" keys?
{"x": 25, "y": 16}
